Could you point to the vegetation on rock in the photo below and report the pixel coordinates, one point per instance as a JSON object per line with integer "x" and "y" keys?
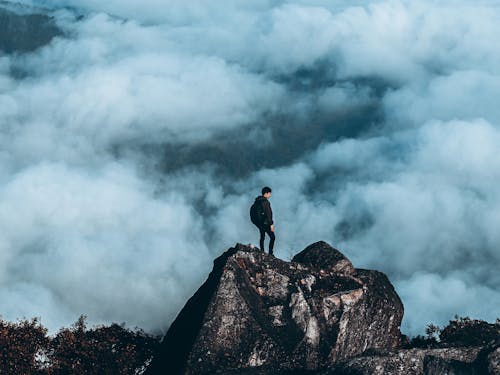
{"x": 461, "y": 331}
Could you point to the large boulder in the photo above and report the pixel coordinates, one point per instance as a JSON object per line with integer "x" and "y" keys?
{"x": 494, "y": 361}
{"x": 256, "y": 313}
{"x": 473, "y": 360}
{"x": 416, "y": 361}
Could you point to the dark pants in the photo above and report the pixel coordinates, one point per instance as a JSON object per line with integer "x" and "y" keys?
{"x": 263, "y": 230}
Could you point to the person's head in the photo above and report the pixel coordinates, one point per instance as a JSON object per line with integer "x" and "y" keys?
{"x": 266, "y": 191}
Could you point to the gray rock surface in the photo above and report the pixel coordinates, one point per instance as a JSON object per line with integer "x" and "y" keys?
{"x": 411, "y": 362}
{"x": 257, "y": 312}
{"x": 317, "y": 314}
{"x": 494, "y": 362}
{"x": 481, "y": 360}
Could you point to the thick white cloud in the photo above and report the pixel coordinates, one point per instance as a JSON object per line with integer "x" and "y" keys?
{"x": 461, "y": 94}
{"x": 104, "y": 87}
{"x": 445, "y": 294}
{"x": 433, "y": 213}
{"x": 413, "y": 193}
{"x": 98, "y": 242}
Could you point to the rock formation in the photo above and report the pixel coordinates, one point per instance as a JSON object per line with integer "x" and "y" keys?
{"x": 317, "y": 314}
{"x": 465, "y": 346}
{"x": 455, "y": 361}
{"x": 258, "y": 313}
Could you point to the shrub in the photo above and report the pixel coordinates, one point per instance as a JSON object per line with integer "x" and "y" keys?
{"x": 19, "y": 344}
{"x": 26, "y": 349}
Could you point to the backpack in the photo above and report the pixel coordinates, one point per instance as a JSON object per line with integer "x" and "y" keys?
{"x": 257, "y": 213}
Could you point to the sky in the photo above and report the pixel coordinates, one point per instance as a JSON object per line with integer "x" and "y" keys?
{"x": 134, "y": 142}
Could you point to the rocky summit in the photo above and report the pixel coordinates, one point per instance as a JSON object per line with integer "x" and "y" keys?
{"x": 256, "y": 314}
{"x": 259, "y": 314}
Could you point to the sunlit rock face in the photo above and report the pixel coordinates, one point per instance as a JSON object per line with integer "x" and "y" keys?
{"x": 257, "y": 312}
{"x": 24, "y": 29}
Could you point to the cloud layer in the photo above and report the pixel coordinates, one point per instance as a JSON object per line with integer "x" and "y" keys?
{"x": 132, "y": 147}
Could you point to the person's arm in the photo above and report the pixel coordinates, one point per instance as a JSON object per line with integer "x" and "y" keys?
{"x": 268, "y": 212}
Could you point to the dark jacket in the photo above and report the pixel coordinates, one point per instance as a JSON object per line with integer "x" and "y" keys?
{"x": 268, "y": 213}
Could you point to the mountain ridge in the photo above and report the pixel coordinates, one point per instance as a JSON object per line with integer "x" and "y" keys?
{"x": 24, "y": 28}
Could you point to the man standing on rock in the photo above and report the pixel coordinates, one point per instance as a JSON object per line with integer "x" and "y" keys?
{"x": 262, "y": 216}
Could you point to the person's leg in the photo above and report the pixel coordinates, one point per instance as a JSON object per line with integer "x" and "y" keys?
{"x": 262, "y": 235}
{"x": 272, "y": 237}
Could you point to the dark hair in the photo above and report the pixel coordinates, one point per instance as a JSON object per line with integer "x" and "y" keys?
{"x": 266, "y": 189}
